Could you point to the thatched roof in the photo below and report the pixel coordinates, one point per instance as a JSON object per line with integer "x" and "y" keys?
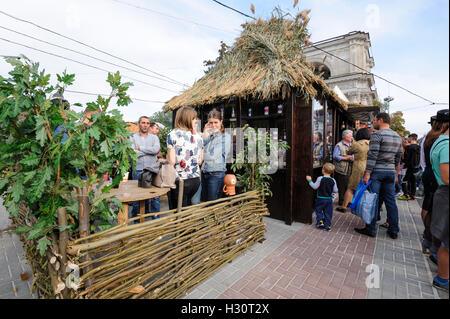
{"x": 265, "y": 62}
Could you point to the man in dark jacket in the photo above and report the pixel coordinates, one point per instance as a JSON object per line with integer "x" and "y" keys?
{"x": 411, "y": 161}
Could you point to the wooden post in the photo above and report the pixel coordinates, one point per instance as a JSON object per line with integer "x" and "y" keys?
{"x": 63, "y": 235}
{"x": 122, "y": 216}
{"x": 63, "y": 240}
{"x": 84, "y": 227}
{"x": 142, "y": 210}
{"x": 180, "y": 195}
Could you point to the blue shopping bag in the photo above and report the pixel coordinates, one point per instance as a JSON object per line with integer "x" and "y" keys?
{"x": 358, "y": 194}
{"x": 367, "y": 207}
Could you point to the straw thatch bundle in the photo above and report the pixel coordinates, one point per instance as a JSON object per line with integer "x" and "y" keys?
{"x": 265, "y": 62}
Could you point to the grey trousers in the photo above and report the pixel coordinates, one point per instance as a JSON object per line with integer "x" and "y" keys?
{"x": 439, "y": 220}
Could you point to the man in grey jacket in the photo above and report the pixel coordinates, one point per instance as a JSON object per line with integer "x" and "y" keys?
{"x": 383, "y": 165}
{"x": 146, "y": 146}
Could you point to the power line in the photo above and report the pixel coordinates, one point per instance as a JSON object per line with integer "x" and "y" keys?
{"x": 173, "y": 17}
{"x": 85, "y": 64}
{"x": 390, "y": 82}
{"x": 224, "y": 5}
{"x": 89, "y": 46}
{"x": 422, "y": 106}
{"x": 90, "y": 56}
{"x": 432, "y": 103}
{"x": 93, "y": 94}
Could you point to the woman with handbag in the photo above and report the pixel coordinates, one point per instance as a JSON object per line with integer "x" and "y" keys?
{"x": 185, "y": 153}
{"x": 217, "y": 146}
{"x": 359, "y": 149}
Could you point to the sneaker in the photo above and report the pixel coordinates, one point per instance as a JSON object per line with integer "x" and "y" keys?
{"x": 326, "y": 228}
{"x": 403, "y": 197}
{"x": 412, "y": 197}
{"x": 320, "y": 224}
{"x": 398, "y": 194}
{"x": 440, "y": 285}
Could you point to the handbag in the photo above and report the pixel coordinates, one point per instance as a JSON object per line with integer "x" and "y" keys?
{"x": 359, "y": 193}
{"x": 166, "y": 176}
{"x": 365, "y": 205}
{"x": 145, "y": 178}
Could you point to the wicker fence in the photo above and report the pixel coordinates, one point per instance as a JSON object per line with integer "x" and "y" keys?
{"x": 165, "y": 257}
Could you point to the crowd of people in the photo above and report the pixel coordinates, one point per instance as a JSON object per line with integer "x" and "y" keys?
{"x": 381, "y": 156}
{"x": 199, "y": 158}
{"x": 378, "y": 155}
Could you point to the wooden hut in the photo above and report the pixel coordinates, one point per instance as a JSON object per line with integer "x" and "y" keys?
{"x": 264, "y": 81}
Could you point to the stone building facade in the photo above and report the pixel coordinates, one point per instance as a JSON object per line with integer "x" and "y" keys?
{"x": 354, "y": 47}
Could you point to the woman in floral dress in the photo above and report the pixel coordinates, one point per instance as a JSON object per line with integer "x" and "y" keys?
{"x": 185, "y": 153}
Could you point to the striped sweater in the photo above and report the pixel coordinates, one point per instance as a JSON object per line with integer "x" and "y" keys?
{"x": 385, "y": 151}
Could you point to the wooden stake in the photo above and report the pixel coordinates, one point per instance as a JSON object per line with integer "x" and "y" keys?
{"x": 180, "y": 195}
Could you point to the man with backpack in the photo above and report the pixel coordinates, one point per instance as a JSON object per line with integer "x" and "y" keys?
{"x": 411, "y": 161}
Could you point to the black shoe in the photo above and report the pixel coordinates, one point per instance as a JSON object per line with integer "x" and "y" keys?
{"x": 341, "y": 209}
{"x": 364, "y": 231}
{"x": 392, "y": 235}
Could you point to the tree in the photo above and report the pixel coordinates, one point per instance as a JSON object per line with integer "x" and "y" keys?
{"x": 397, "y": 122}
{"x": 52, "y": 158}
{"x": 384, "y": 107}
{"x": 165, "y": 118}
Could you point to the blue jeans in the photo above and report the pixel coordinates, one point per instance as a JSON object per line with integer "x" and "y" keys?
{"x": 155, "y": 204}
{"x": 324, "y": 210}
{"x": 212, "y": 185}
{"x": 196, "y": 198}
{"x": 383, "y": 183}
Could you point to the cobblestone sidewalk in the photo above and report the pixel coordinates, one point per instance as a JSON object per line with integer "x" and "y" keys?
{"x": 12, "y": 262}
{"x": 310, "y": 263}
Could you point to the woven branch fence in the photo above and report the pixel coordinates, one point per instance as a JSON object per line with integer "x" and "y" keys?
{"x": 166, "y": 257}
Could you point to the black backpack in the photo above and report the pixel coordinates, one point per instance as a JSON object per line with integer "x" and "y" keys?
{"x": 413, "y": 159}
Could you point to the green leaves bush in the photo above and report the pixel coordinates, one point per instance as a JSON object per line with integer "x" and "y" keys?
{"x": 45, "y": 150}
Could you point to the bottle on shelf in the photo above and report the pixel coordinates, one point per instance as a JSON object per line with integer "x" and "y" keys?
{"x": 280, "y": 109}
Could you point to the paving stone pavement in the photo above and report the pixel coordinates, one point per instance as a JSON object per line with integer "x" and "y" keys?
{"x": 304, "y": 262}
{"x": 405, "y": 270}
{"x": 12, "y": 262}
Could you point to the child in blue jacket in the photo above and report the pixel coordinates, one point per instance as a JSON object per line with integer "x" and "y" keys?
{"x": 327, "y": 189}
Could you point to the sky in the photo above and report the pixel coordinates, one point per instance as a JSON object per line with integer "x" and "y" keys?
{"x": 409, "y": 43}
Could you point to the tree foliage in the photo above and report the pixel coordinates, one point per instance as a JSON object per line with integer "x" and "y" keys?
{"x": 48, "y": 154}
{"x": 397, "y": 122}
{"x": 251, "y": 174}
{"x": 165, "y": 118}
{"x": 384, "y": 107}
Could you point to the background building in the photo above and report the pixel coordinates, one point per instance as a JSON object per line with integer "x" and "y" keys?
{"x": 358, "y": 86}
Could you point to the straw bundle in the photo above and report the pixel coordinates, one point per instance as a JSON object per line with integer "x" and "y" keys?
{"x": 265, "y": 62}
{"x": 165, "y": 257}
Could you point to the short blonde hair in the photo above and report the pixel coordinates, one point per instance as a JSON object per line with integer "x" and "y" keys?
{"x": 328, "y": 168}
{"x": 184, "y": 118}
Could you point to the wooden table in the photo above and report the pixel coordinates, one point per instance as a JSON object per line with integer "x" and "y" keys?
{"x": 129, "y": 192}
